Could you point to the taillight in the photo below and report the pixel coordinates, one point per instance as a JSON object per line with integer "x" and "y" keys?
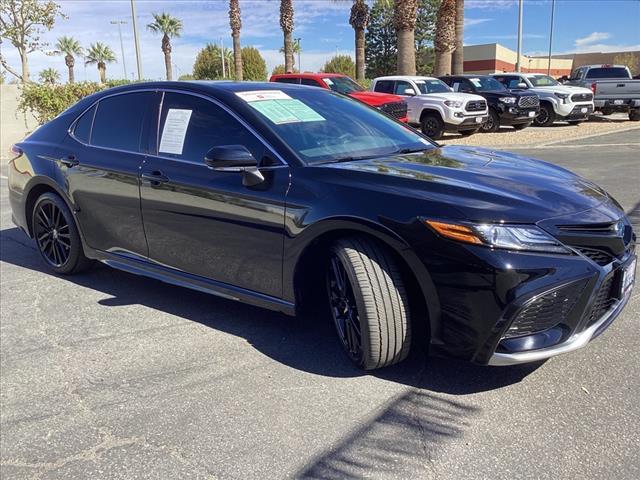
{"x": 15, "y": 152}
{"x": 593, "y": 87}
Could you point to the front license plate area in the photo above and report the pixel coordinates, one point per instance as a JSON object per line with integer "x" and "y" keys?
{"x": 478, "y": 119}
{"x": 618, "y": 102}
{"x": 583, "y": 110}
{"x": 532, "y": 114}
{"x": 628, "y": 277}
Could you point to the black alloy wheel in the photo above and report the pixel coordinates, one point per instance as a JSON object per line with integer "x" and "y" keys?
{"x": 432, "y": 126}
{"x": 52, "y": 233}
{"x": 344, "y": 309}
{"x": 492, "y": 124}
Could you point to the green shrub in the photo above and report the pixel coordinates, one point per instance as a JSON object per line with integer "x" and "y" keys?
{"x": 253, "y": 65}
{"x": 366, "y": 83}
{"x": 208, "y": 64}
{"x": 341, "y": 64}
{"x": 279, "y": 70}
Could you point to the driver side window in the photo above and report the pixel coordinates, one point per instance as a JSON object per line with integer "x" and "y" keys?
{"x": 402, "y": 87}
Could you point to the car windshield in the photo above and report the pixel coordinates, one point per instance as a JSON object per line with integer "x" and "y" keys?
{"x": 542, "y": 81}
{"x": 486, "y": 84}
{"x": 323, "y": 127}
{"x": 342, "y": 85}
{"x": 432, "y": 86}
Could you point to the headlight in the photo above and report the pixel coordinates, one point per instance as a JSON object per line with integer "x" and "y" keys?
{"x": 509, "y": 100}
{"x": 453, "y": 103}
{"x": 511, "y": 237}
{"x": 562, "y": 96}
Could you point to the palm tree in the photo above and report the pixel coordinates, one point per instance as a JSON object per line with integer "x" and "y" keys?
{"x": 295, "y": 50}
{"x": 49, "y": 76}
{"x": 70, "y": 47}
{"x": 404, "y": 20}
{"x": 358, "y": 20}
{"x": 169, "y": 27}
{"x": 445, "y": 37}
{"x": 458, "y": 53}
{"x": 286, "y": 23}
{"x": 100, "y": 54}
{"x": 235, "y": 22}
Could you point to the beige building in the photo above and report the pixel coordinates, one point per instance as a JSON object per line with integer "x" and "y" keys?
{"x": 494, "y": 58}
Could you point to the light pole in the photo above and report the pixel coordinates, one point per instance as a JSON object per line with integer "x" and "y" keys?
{"x": 553, "y": 8}
{"x": 519, "y": 35}
{"x": 135, "y": 36}
{"x": 119, "y": 23}
{"x": 298, "y": 40}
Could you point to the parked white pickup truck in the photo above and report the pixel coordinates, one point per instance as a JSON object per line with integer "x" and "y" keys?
{"x": 557, "y": 101}
{"x": 435, "y": 107}
{"x": 613, "y": 87}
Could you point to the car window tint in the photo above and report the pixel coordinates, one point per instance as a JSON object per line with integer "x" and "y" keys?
{"x": 82, "y": 130}
{"x": 608, "y": 72}
{"x": 402, "y": 87}
{"x": 288, "y": 80}
{"x": 513, "y": 82}
{"x": 384, "y": 86}
{"x": 309, "y": 81}
{"x": 119, "y": 121}
{"x": 208, "y": 126}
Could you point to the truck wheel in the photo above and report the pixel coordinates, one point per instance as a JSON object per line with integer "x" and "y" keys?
{"x": 522, "y": 126}
{"x": 546, "y": 117}
{"x": 634, "y": 114}
{"x": 57, "y": 237}
{"x": 368, "y": 301}
{"x": 432, "y": 125}
{"x": 492, "y": 124}
{"x": 606, "y": 111}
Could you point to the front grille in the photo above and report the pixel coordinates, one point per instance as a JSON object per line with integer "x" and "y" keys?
{"x": 598, "y": 256}
{"x": 529, "y": 101}
{"x": 546, "y": 311}
{"x": 605, "y": 299}
{"x": 581, "y": 97}
{"x": 476, "y": 106}
{"x": 395, "y": 109}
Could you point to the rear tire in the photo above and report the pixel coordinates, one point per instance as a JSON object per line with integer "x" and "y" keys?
{"x": 634, "y": 114}
{"x": 492, "y": 124}
{"x": 368, "y": 302}
{"x": 522, "y": 126}
{"x": 57, "y": 237}
{"x": 432, "y": 125}
{"x": 545, "y": 117}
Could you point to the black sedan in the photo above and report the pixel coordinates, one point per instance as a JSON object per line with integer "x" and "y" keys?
{"x": 516, "y": 108}
{"x": 291, "y": 197}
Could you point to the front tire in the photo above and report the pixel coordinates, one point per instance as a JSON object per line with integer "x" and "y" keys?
{"x": 368, "y": 302}
{"x": 492, "y": 124}
{"x": 57, "y": 237}
{"x": 432, "y": 125}
{"x": 546, "y": 117}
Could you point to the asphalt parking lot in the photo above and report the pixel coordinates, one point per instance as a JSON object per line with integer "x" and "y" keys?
{"x": 108, "y": 375}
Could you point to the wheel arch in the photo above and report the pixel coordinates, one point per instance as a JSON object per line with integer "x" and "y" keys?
{"x": 306, "y": 266}
{"x": 431, "y": 109}
{"x": 34, "y": 189}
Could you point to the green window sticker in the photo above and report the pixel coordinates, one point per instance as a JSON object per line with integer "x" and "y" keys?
{"x": 279, "y": 107}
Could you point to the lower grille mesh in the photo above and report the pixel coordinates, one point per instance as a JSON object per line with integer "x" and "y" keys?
{"x": 605, "y": 299}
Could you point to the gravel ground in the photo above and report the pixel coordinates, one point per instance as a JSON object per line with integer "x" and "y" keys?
{"x": 508, "y": 136}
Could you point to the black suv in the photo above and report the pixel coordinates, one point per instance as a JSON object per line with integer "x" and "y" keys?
{"x": 290, "y": 197}
{"x": 506, "y": 107}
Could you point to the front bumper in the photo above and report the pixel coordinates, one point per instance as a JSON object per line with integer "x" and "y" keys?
{"x": 517, "y": 116}
{"x": 470, "y": 122}
{"x": 576, "y": 112}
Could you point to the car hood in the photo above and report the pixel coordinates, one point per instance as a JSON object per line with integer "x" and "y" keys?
{"x": 375, "y": 98}
{"x": 562, "y": 89}
{"x": 479, "y": 184}
{"x": 462, "y": 97}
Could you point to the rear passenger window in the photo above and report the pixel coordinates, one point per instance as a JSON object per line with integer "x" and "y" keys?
{"x": 207, "y": 126}
{"x": 119, "y": 121}
{"x": 82, "y": 130}
{"x": 384, "y": 86}
{"x": 309, "y": 81}
{"x": 288, "y": 80}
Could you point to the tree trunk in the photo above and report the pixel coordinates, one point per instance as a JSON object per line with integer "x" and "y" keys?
{"x": 458, "y": 54}
{"x": 360, "y": 55}
{"x": 443, "y": 64}
{"x": 406, "y": 52}
{"x": 25, "y": 66}
{"x": 288, "y": 53}
{"x": 167, "y": 65}
{"x": 237, "y": 55}
{"x": 102, "y": 70}
{"x": 72, "y": 77}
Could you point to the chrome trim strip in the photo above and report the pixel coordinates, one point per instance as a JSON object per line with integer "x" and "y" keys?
{"x": 575, "y": 342}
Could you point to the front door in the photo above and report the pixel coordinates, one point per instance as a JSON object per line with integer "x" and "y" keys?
{"x": 205, "y": 222}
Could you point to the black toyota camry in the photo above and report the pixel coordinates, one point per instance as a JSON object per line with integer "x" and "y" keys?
{"x": 286, "y": 197}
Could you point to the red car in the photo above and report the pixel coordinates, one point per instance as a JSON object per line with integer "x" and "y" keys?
{"x": 390, "y": 104}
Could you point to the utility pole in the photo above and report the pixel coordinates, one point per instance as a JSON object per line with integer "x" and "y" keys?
{"x": 553, "y": 8}
{"x": 298, "y": 40}
{"x": 119, "y": 23}
{"x": 518, "y": 61}
{"x": 135, "y": 36}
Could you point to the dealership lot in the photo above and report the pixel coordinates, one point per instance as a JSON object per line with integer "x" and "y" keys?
{"x": 107, "y": 375}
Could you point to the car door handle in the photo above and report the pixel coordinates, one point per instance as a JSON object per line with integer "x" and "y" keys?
{"x": 70, "y": 161}
{"x": 155, "y": 178}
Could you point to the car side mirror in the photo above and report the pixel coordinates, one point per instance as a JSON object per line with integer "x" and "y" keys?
{"x": 235, "y": 158}
{"x": 410, "y": 91}
{"x": 522, "y": 85}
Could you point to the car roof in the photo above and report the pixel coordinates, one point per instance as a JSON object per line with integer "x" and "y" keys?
{"x": 406, "y": 77}
{"x": 308, "y": 75}
{"x": 522, "y": 74}
{"x": 466, "y": 75}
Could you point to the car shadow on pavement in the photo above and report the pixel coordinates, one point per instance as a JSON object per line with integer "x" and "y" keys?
{"x": 307, "y": 343}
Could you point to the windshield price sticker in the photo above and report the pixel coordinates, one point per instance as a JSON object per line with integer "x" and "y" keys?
{"x": 279, "y": 107}
{"x": 174, "y": 131}
{"x": 476, "y": 82}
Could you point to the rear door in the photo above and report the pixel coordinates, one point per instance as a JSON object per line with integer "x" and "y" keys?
{"x": 205, "y": 222}
{"x": 101, "y": 163}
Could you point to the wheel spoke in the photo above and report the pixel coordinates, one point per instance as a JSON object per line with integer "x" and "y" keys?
{"x": 338, "y": 271}
{"x": 64, "y": 242}
{"x": 42, "y": 218}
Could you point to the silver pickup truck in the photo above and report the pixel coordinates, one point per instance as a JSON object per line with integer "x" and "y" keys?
{"x": 613, "y": 88}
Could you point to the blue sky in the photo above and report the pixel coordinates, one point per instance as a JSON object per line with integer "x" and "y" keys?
{"x": 581, "y": 25}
